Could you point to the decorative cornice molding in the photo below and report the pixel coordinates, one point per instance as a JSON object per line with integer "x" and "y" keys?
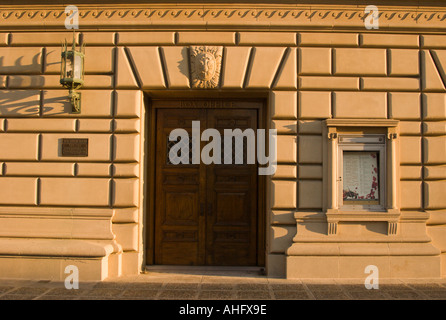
{"x": 283, "y": 16}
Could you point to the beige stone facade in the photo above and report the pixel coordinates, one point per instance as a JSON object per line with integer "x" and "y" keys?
{"x": 321, "y": 74}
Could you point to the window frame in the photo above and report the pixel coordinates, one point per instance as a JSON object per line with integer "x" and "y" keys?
{"x": 389, "y": 212}
{"x": 358, "y": 146}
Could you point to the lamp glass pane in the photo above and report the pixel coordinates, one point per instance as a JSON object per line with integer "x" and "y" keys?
{"x": 69, "y": 68}
{"x": 77, "y": 66}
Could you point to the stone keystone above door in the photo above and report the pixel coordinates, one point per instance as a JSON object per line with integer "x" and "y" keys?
{"x": 205, "y": 66}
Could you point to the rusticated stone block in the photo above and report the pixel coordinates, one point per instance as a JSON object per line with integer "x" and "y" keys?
{"x": 410, "y": 150}
{"x": 314, "y": 105}
{"x": 235, "y": 62}
{"x": 267, "y": 38}
{"x": 126, "y": 147}
{"x": 48, "y": 38}
{"x": 128, "y": 103}
{"x": 310, "y": 194}
{"x": 95, "y": 103}
{"x": 286, "y": 149}
{"x": 126, "y": 193}
{"x": 39, "y": 169}
{"x": 329, "y": 39}
{"x": 434, "y": 150}
{"x": 315, "y": 61}
{"x": 283, "y": 194}
{"x": 21, "y": 60}
{"x": 284, "y": 105}
{"x": 434, "y": 194}
{"x": 265, "y": 63}
{"x": 328, "y": 83}
{"x": 100, "y": 60}
{"x": 146, "y": 38}
{"x": 18, "y": 191}
{"x": 148, "y": 67}
{"x": 360, "y": 105}
{"x": 99, "y": 38}
{"x": 404, "y": 62}
{"x": 434, "y": 106}
{"x": 93, "y": 170}
{"x": 310, "y": 149}
{"x": 213, "y": 38}
{"x": 410, "y": 194}
{"x": 389, "y": 40}
{"x": 404, "y": 106}
{"x": 360, "y": 61}
{"x": 19, "y": 146}
{"x": 20, "y": 103}
{"x": 126, "y": 235}
{"x": 41, "y": 125}
{"x": 435, "y": 172}
{"x": 176, "y": 62}
{"x": 74, "y": 191}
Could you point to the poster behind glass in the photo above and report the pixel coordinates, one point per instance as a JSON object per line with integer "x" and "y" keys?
{"x": 360, "y": 178}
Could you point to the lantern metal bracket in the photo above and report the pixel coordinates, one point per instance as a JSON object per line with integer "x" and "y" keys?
{"x": 75, "y": 98}
{"x": 72, "y": 72}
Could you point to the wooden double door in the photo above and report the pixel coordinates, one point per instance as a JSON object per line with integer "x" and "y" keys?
{"x": 205, "y": 214}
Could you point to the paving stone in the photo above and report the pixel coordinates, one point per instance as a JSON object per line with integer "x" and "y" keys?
{"x": 4, "y": 289}
{"x": 217, "y": 295}
{"x": 436, "y": 294}
{"x": 251, "y": 286}
{"x": 17, "y": 297}
{"x": 330, "y": 295}
{"x": 323, "y": 287}
{"x": 129, "y": 285}
{"x": 291, "y": 295}
{"x": 404, "y": 294}
{"x": 393, "y": 287}
{"x": 428, "y": 287}
{"x": 354, "y": 287}
{"x": 368, "y": 295}
{"x": 104, "y": 292}
{"x": 253, "y": 295}
{"x": 177, "y": 294}
{"x": 67, "y": 292}
{"x": 291, "y": 286}
{"x": 140, "y": 293}
{"x": 29, "y": 291}
{"x": 217, "y": 286}
{"x": 55, "y": 297}
{"x": 182, "y": 286}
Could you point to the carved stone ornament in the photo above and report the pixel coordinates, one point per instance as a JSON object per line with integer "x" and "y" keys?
{"x": 205, "y": 66}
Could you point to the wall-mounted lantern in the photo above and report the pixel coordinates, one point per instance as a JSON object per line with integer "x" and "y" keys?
{"x": 72, "y": 72}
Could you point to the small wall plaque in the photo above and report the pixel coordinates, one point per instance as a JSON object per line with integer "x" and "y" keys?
{"x": 74, "y": 147}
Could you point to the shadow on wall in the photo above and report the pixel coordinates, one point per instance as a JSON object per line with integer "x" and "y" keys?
{"x": 21, "y": 102}
{"x": 282, "y": 238}
{"x": 183, "y": 65}
{"x": 315, "y": 225}
{"x": 19, "y": 68}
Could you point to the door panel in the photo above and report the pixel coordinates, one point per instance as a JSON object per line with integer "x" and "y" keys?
{"x": 232, "y": 196}
{"x": 179, "y": 195}
{"x": 205, "y": 214}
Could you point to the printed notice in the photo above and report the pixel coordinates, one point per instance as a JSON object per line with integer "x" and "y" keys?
{"x": 360, "y": 176}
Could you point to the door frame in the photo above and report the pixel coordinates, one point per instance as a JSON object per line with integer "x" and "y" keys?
{"x": 150, "y": 176}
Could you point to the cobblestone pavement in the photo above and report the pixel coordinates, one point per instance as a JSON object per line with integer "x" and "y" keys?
{"x": 223, "y": 286}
